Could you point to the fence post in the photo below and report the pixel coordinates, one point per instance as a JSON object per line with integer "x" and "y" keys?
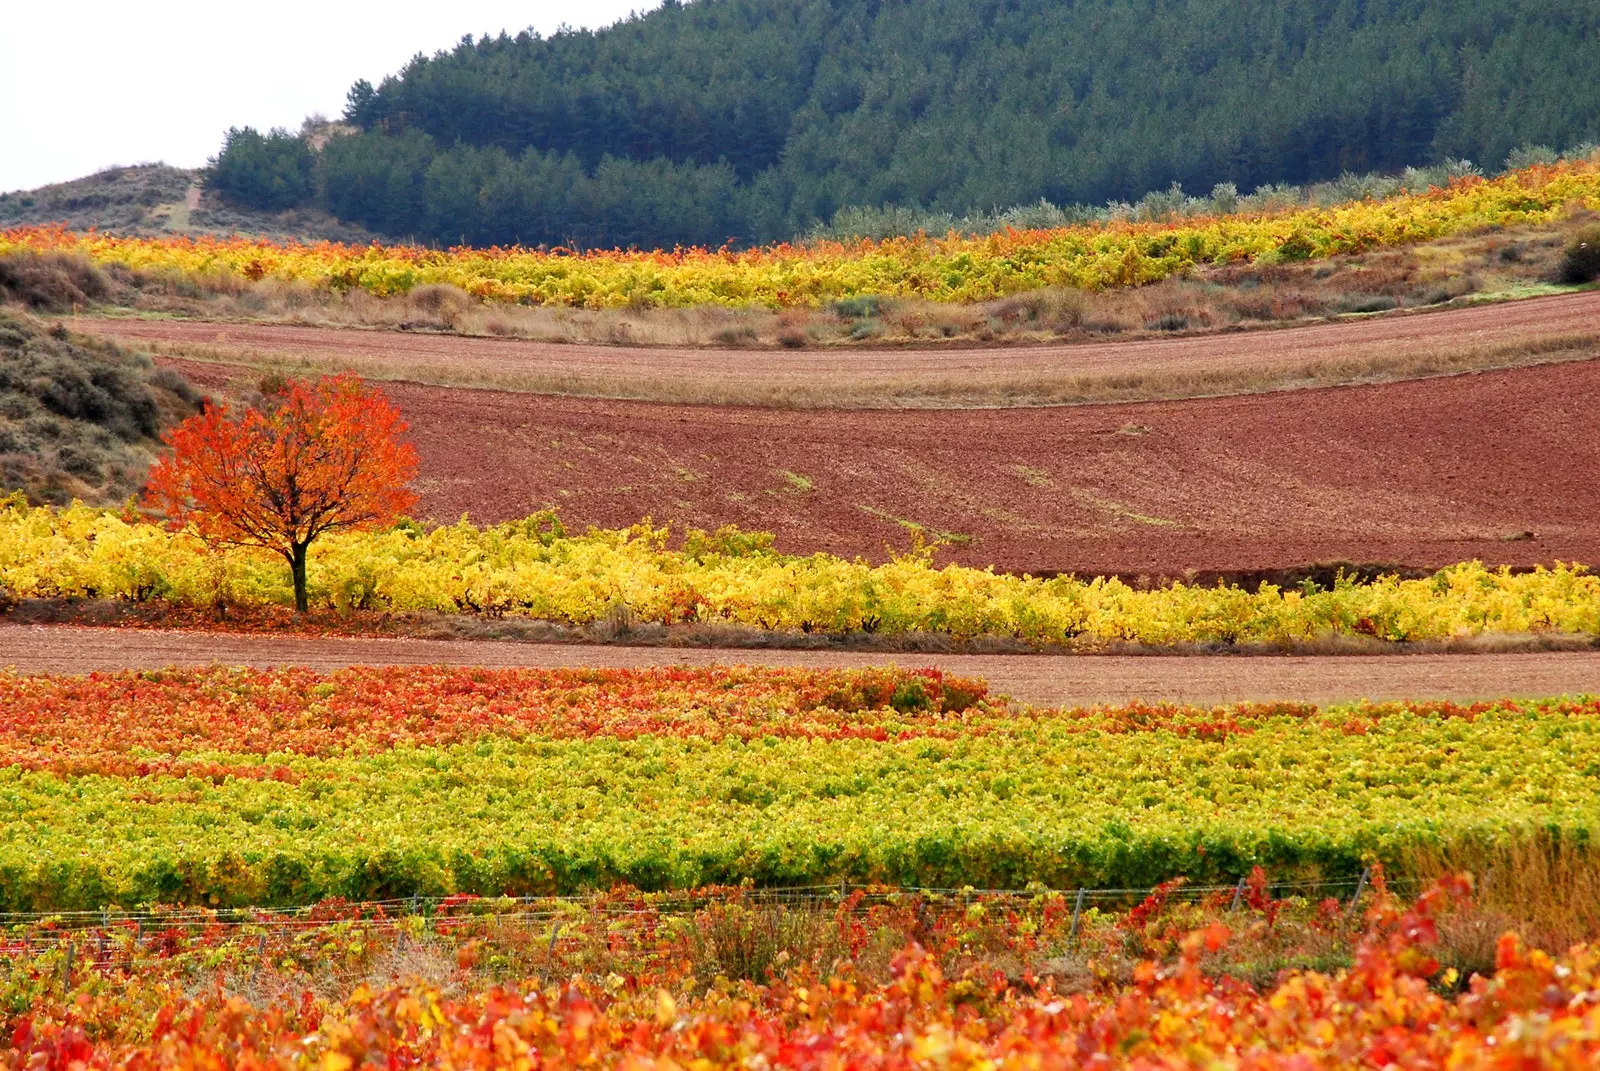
{"x": 1361, "y": 887}
{"x": 66, "y": 972}
{"x": 1238, "y": 894}
{"x": 1077, "y": 910}
{"x": 261, "y": 954}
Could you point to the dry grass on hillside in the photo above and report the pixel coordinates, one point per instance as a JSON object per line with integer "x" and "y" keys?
{"x": 80, "y": 418}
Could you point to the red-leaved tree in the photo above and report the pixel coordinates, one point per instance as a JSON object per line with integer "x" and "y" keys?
{"x": 327, "y": 457}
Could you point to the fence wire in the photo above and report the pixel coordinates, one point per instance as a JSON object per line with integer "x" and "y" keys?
{"x": 398, "y": 912}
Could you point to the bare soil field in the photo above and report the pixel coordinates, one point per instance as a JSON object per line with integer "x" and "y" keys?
{"x": 1497, "y": 466}
{"x": 1373, "y": 349}
{"x": 1056, "y": 680}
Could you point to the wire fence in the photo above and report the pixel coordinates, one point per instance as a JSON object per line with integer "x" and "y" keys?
{"x": 398, "y": 911}
{"x": 60, "y": 943}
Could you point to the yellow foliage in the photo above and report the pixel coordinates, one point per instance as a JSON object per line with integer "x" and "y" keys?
{"x": 531, "y": 568}
{"x": 948, "y": 268}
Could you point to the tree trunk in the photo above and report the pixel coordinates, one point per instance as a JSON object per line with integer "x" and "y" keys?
{"x": 297, "y": 563}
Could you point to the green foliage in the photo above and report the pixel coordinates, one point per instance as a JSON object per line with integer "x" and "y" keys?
{"x": 1529, "y": 155}
{"x": 404, "y": 185}
{"x": 1008, "y": 799}
{"x": 859, "y": 308}
{"x": 753, "y": 119}
{"x": 272, "y": 172}
{"x": 378, "y": 181}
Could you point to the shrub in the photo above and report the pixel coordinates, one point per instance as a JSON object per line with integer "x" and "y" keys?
{"x": 442, "y": 298}
{"x": 1362, "y": 302}
{"x": 1224, "y": 199}
{"x": 861, "y": 307}
{"x": 740, "y": 335}
{"x": 1531, "y": 155}
{"x": 1580, "y": 263}
{"x": 51, "y": 282}
{"x": 82, "y": 416}
{"x": 1039, "y": 216}
{"x": 1166, "y": 204}
{"x": 1298, "y": 246}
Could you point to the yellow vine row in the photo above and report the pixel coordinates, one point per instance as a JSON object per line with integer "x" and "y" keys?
{"x": 951, "y": 268}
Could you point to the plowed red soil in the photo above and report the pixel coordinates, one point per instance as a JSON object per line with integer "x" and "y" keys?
{"x": 1201, "y": 364}
{"x": 1038, "y": 679}
{"x": 1419, "y": 473}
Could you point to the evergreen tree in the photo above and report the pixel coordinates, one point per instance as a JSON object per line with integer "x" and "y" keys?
{"x": 274, "y": 171}
{"x": 712, "y": 119}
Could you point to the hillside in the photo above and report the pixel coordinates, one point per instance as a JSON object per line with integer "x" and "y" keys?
{"x": 79, "y": 418}
{"x": 753, "y": 119}
{"x": 156, "y": 200}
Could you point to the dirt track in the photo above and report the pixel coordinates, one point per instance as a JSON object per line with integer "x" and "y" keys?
{"x": 1038, "y": 679}
{"x": 1419, "y": 473}
{"x": 1391, "y": 346}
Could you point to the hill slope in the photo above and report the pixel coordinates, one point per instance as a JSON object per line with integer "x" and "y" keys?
{"x": 80, "y": 418}
{"x": 154, "y": 200}
{"x": 753, "y": 118}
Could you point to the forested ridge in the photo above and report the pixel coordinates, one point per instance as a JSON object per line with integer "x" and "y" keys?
{"x": 749, "y": 120}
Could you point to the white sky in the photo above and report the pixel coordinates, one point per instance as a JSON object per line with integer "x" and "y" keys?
{"x": 86, "y": 85}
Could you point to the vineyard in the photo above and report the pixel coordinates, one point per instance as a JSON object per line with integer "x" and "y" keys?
{"x": 720, "y": 980}
{"x": 737, "y": 867}
{"x": 233, "y": 787}
{"x": 951, "y": 268}
{"x": 381, "y": 856}
{"x": 1100, "y": 633}
{"x": 532, "y": 568}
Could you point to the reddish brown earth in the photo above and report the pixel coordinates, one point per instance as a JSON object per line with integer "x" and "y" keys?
{"x": 1419, "y": 473}
{"x": 1173, "y": 367}
{"x": 1074, "y": 680}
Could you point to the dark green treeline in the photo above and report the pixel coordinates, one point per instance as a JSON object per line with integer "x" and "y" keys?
{"x": 750, "y": 119}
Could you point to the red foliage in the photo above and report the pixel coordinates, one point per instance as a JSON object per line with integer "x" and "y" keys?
{"x": 144, "y": 724}
{"x": 325, "y": 458}
{"x": 1385, "y": 1010}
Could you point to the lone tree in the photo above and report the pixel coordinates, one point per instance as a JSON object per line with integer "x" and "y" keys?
{"x": 326, "y": 457}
